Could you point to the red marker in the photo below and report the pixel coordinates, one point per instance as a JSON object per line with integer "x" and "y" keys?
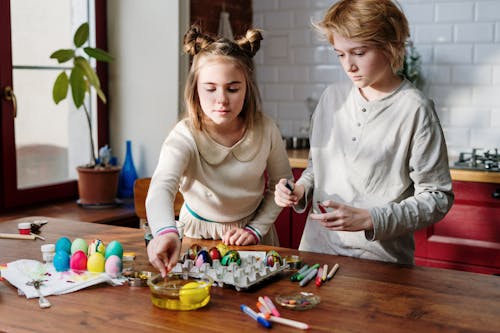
{"x": 321, "y": 208}
{"x": 317, "y": 282}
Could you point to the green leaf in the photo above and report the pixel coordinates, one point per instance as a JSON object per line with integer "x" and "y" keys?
{"x": 98, "y": 54}
{"x": 63, "y": 55}
{"x": 60, "y": 89}
{"x": 101, "y": 95}
{"x": 81, "y": 35}
{"x": 78, "y": 86}
{"x": 88, "y": 71}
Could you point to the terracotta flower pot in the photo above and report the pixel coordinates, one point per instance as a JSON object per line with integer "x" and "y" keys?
{"x": 98, "y": 186}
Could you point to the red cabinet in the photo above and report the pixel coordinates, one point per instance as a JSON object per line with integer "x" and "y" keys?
{"x": 290, "y": 224}
{"x": 468, "y": 238}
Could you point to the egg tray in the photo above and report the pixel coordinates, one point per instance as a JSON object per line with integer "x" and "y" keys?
{"x": 250, "y": 273}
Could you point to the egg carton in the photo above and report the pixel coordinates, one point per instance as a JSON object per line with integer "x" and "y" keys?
{"x": 250, "y": 273}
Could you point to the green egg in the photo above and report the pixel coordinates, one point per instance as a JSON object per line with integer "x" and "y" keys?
{"x": 79, "y": 244}
{"x": 114, "y": 248}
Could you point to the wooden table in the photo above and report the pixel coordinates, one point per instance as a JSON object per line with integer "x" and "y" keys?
{"x": 364, "y": 296}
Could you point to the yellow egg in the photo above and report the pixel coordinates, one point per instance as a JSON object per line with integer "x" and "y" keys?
{"x": 95, "y": 263}
{"x": 194, "y": 292}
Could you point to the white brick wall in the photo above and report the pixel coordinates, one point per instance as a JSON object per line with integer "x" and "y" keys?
{"x": 459, "y": 43}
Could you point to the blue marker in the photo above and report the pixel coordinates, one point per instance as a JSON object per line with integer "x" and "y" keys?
{"x": 254, "y": 315}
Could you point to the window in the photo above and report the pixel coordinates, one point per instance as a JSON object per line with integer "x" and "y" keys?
{"x": 44, "y": 143}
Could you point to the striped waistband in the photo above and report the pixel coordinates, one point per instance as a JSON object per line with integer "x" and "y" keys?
{"x": 192, "y": 212}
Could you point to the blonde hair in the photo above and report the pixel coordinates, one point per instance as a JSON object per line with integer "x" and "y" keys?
{"x": 240, "y": 52}
{"x": 380, "y": 23}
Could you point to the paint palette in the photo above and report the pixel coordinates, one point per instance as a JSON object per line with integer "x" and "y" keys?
{"x": 251, "y": 272}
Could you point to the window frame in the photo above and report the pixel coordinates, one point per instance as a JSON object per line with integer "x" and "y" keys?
{"x": 10, "y": 196}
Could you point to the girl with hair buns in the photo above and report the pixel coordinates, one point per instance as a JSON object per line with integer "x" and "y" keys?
{"x": 218, "y": 155}
{"x": 378, "y": 161}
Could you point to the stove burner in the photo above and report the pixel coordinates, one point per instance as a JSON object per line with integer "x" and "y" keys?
{"x": 479, "y": 159}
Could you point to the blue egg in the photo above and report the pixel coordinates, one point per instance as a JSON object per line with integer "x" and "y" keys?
{"x": 61, "y": 261}
{"x": 63, "y": 244}
{"x": 114, "y": 248}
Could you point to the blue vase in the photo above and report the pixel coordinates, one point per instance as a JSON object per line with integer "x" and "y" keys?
{"x": 128, "y": 175}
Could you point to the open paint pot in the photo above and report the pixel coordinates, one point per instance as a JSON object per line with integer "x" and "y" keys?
{"x": 178, "y": 291}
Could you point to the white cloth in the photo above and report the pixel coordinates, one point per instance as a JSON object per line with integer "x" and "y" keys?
{"x": 20, "y": 272}
{"x": 388, "y": 156}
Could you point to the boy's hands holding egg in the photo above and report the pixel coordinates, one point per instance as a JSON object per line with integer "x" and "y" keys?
{"x": 164, "y": 251}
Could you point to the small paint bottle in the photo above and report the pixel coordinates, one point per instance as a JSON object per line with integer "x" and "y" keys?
{"x": 24, "y": 228}
{"x": 48, "y": 252}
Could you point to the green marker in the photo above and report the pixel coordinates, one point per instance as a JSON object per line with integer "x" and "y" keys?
{"x": 300, "y": 271}
{"x": 304, "y": 274}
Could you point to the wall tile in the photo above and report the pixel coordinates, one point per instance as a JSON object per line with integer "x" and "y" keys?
{"x": 471, "y": 74}
{"x": 419, "y": 12}
{"x": 453, "y": 54}
{"x": 487, "y": 54}
{"x": 277, "y": 92}
{"x": 455, "y": 11}
{"x": 485, "y": 138}
{"x": 474, "y": 32}
{"x": 293, "y": 74}
{"x": 433, "y": 33}
{"x": 488, "y": 10}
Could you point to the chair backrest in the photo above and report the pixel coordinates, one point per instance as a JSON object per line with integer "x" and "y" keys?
{"x": 141, "y": 187}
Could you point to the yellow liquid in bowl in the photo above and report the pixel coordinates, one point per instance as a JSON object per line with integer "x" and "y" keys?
{"x": 179, "y": 294}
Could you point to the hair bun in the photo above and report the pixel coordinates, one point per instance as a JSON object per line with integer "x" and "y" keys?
{"x": 195, "y": 41}
{"x": 250, "y": 43}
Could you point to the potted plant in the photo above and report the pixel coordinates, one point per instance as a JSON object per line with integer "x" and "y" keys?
{"x": 97, "y": 182}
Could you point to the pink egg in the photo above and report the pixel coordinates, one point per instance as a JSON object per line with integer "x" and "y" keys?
{"x": 78, "y": 261}
{"x": 113, "y": 266}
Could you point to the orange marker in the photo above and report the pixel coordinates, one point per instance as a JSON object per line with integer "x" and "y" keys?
{"x": 263, "y": 310}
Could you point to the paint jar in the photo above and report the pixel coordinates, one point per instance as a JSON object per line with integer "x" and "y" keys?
{"x": 24, "y": 228}
{"x": 48, "y": 252}
{"x": 128, "y": 261}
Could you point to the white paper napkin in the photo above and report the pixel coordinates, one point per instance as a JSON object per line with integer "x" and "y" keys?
{"x": 20, "y": 272}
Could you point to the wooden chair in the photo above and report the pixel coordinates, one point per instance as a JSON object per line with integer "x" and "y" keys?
{"x": 141, "y": 187}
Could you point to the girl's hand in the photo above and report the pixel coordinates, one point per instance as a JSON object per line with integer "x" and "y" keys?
{"x": 239, "y": 236}
{"x": 284, "y": 197}
{"x": 163, "y": 252}
{"x": 343, "y": 217}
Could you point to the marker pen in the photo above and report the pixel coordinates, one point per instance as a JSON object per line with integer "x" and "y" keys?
{"x": 261, "y": 320}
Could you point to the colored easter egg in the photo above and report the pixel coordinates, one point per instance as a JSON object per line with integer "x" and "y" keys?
{"x": 203, "y": 257}
{"x": 97, "y": 246}
{"x": 79, "y": 244}
{"x": 78, "y": 261}
{"x": 113, "y": 265}
{"x": 229, "y": 257}
{"x": 193, "y": 293}
{"x": 273, "y": 257}
{"x": 61, "y": 261}
{"x": 223, "y": 249}
{"x": 214, "y": 253}
{"x": 63, "y": 244}
{"x": 96, "y": 262}
{"x": 193, "y": 251}
{"x": 114, "y": 248}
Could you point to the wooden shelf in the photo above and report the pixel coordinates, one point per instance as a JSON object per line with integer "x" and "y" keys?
{"x": 121, "y": 215}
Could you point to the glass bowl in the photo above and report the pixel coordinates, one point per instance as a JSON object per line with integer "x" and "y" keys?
{"x": 180, "y": 291}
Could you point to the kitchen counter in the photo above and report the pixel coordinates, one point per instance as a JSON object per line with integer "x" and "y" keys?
{"x": 298, "y": 159}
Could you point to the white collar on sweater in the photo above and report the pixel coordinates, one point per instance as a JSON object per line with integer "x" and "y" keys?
{"x": 244, "y": 150}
